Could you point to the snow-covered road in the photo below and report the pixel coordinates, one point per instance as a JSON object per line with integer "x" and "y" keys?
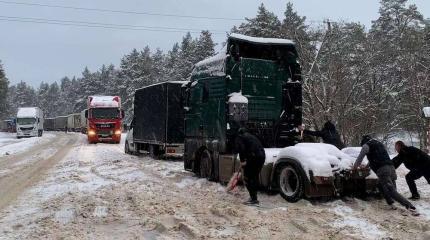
{"x": 98, "y": 192}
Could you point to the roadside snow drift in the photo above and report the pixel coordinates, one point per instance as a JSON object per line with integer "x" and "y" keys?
{"x": 10, "y": 145}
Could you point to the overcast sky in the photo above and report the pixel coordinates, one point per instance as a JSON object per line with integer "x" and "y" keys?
{"x": 38, "y": 52}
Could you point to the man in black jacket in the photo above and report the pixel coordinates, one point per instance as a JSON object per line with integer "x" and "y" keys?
{"x": 417, "y": 161}
{"x": 252, "y": 157}
{"x": 381, "y": 164}
{"x": 328, "y": 134}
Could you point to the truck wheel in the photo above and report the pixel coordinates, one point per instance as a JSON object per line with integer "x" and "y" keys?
{"x": 152, "y": 151}
{"x": 206, "y": 165}
{"x": 291, "y": 182}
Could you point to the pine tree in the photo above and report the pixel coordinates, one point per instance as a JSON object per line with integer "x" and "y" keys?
{"x": 265, "y": 24}
{"x": 294, "y": 27}
{"x": 52, "y": 97}
{"x": 187, "y": 57}
{"x": 4, "y": 84}
{"x": 25, "y": 95}
{"x": 42, "y": 95}
{"x": 171, "y": 63}
{"x": 205, "y": 46}
{"x": 158, "y": 71}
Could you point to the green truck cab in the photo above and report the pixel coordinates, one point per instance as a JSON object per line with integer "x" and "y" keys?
{"x": 256, "y": 82}
{"x": 267, "y": 73}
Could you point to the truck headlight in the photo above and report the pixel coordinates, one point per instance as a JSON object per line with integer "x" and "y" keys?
{"x": 91, "y": 133}
{"x": 118, "y": 132}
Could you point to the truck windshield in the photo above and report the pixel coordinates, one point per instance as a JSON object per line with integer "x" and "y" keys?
{"x": 26, "y": 121}
{"x": 105, "y": 113}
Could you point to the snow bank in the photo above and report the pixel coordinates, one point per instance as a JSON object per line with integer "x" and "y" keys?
{"x": 237, "y": 97}
{"x": 260, "y": 40}
{"x": 27, "y": 112}
{"x": 426, "y": 111}
{"x": 23, "y": 144}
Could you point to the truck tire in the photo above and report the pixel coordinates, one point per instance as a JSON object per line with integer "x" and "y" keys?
{"x": 152, "y": 151}
{"x": 206, "y": 165}
{"x": 291, "y": 180}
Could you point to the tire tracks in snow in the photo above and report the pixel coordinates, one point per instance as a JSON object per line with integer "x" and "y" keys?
{"x": 18, "y": 181}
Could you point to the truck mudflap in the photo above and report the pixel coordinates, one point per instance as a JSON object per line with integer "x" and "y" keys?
{"x": 343, "y": 183}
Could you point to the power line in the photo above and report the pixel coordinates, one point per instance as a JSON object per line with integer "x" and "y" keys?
{"x": 100, "y": 25}
{"x": 120, "y": 11}
{"x": 107, "y": 24}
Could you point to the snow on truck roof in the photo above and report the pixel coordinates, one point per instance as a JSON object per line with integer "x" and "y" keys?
{"x": 260, "y": 40}
{"x": 223, "y": 53}
{"x": 104, "y": 101}
{"x": 159, "y": 83}
{"x": 27, "y": 112}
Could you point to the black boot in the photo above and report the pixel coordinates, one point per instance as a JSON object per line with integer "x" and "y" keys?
{"x": 415, "y": 197}
{"x": 252, "y": 202}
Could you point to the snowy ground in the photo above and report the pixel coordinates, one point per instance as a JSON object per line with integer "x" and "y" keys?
{"x": 98, "y": 192}
{"x": 9, "y": 144}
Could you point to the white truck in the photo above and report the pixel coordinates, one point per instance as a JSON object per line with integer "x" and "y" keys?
{"x": 29, "y": 122}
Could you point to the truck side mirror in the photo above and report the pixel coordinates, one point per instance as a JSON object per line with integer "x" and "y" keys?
{"x": 122, "y": 114}
{"x": 86, "y": 113}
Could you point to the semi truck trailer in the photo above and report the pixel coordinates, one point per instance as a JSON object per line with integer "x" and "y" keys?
{"x": 158, "y": 123}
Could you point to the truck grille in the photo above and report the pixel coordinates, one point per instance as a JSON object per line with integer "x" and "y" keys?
{"x": 104, "y": 125}
{"x": 26, "y": 129}
{"x": 105, "y": 132}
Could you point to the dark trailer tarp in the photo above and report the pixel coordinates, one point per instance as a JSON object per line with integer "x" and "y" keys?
{"x": 158, "y": 112}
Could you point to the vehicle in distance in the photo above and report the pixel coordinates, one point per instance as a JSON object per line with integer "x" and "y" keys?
{"x": 104, "y": 119}
{"x": 158, "y": 122}
{"x": 29, "y": 122}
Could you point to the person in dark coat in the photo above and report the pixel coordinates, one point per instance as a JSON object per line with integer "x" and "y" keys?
{"x": 252, "y": 157}
{"x": 380, "y": 162}
{"x": 328, "y": 134}
{"x": 418, "y": 163}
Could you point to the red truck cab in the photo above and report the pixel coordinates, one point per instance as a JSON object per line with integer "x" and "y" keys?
{"x": 104, "y": 119}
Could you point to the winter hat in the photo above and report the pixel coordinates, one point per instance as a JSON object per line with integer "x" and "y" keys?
{"x": 365, "y": 139}
{"x": 329, "y": 125}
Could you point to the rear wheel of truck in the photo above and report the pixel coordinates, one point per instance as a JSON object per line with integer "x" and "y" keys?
{"x": 206, "y": 165}
{"x": 291, "y": 181}
{"x": 153, "y": 151}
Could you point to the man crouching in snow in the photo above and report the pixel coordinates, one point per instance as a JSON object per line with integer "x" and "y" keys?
{"x": 252, "y": 157}
{"x": 381, "y": 164}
